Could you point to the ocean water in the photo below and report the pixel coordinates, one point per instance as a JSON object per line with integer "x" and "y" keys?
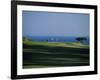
{"x": 56, "y": 39}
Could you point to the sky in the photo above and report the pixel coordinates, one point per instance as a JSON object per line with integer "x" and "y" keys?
{"x": 39, "y": 23}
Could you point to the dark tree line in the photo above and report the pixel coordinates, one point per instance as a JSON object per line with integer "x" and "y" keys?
{"x": 81, "y": 39}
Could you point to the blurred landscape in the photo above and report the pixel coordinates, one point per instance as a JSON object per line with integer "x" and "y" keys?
{"x": 39, "y": 54}
{"x": 55, "y": 39}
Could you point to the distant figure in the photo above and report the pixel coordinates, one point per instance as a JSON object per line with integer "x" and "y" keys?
{"x": 47, "y": 40}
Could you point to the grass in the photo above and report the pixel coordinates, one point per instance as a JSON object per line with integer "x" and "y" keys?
{"x": 50, "y": 54}
{"x": 56, "y": 44}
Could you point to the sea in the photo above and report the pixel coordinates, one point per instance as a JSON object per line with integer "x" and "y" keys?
{"x": 57, "y": 39}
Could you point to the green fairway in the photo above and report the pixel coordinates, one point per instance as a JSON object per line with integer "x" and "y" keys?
{"x": 54, "y": 54}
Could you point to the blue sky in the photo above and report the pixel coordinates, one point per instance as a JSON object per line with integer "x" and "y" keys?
{"x": 36, "y": 23}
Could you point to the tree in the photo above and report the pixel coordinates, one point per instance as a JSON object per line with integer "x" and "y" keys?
{"x": 81, "y": 39}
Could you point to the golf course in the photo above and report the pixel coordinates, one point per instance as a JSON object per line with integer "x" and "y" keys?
{"x": 41, "y": 54}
